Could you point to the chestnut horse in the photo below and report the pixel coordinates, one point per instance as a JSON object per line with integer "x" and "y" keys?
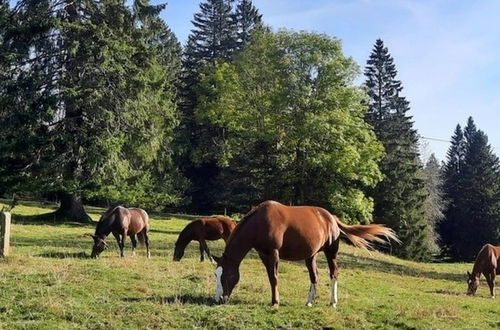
{"x": 290, "y": 233}
{"x": 488, "y": 263}
{"x": 121, "y": 222}
{"x": 202, "y": 230}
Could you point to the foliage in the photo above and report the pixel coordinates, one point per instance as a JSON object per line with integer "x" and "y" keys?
{"x": 435, "y": 202}
{"x": 54, "y": 285}
{"x": 219, "y": 30}
{"x": 292, "y": 125}
{"x": 94, "y": 92}
{"x": 399, "y": 198}
{"x": 473, "y": 188}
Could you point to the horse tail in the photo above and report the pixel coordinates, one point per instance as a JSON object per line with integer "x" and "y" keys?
{"x": 362, "y": 235}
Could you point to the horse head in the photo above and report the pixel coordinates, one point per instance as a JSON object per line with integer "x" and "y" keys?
{"x": 227, "y": 276}
{"x": 178, "y": 252}
{"x": 473, "y": 283}
{"x": 99, "y": 246}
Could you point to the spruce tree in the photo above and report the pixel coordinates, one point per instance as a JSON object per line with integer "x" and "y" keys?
{"x": 218, "y": 32}
{"x": 399, "y": 197}
{"x": 98, "y": 100}
{"x": 453, "y": 188}
{"x": 473, "y": 216}
{"x": 246, "y": 19}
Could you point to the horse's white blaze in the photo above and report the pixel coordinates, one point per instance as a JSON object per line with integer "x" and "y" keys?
{"x": 312, "y": 295}
{"x": 334, "y": 292}
{"x": 218, "y": 290}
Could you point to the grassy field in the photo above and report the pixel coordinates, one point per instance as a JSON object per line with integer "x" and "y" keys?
{"x": 49, "y": 282}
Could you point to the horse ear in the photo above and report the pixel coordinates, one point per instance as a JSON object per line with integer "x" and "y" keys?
{"x": 217, "y": 259}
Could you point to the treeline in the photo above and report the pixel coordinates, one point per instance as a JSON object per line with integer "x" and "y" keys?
{"x": 99, "y": 102}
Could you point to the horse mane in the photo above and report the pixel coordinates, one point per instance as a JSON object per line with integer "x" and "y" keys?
{"x": 240, "y": 223}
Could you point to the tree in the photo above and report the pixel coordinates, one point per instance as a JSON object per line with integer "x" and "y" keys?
{"x": 246, "y": 19}
{"x": 217, "y": 33}
{"x": 453, "y": 187}
{"x": 473, "y": 214}
{"x": 102, "y": 108}
{"x": 399, "y": 198}
{"x": 435, "y": 202}
{"x": 293, "y": 125}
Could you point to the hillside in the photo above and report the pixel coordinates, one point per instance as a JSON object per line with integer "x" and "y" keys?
{"x": 49, "y": 282}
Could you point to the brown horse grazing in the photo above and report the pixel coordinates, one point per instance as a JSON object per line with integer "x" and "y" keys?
{"x": 291, "y": 233}
{"x": 202, "y": 230}
{"x": 488, "y": 263}
{"x": 121, "y": 222}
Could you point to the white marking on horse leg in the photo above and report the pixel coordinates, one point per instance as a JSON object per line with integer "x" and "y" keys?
{"x": 334, "y": 292}
{"x": 218, "y": 291}
{"x": 312, "y": 295}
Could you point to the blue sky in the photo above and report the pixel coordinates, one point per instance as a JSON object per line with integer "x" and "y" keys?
{"x": 447, "y": 52}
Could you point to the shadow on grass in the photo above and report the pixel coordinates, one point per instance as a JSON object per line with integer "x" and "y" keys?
{"x": 170, "y": 232}
{"x": 184, "y": 299}
{"x": 64, "y": 255}
{"x": 48, "y": 219}
{"x": 349, "y": 260}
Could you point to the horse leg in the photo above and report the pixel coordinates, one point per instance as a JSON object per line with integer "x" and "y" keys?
{"x": 313, "y": 276}
{"x": 134, "y": 244}
{"x": 204, "y": 248}
{"x": 122, "y": 243}
{"x": 331, "y": 257}
{"x": 118, "y": 240}
{"x": 491, "y": 283}
{"x": 271, "y": 262}
{"x": 146, "y": 242}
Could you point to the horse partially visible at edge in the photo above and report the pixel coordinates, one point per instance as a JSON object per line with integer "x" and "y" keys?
{"x": 277, "y": 232}
{"x": 122, "y": 222}
{"x": 202, "y": 230}
{"x": 488, "y": 263}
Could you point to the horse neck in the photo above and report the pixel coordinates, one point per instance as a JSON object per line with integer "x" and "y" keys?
{"x": 104, "y": 226}
{"x": 239, "y": 244}
{"x": 185, "y": 237}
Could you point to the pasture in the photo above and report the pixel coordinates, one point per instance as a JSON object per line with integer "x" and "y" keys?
{"x": 50, "y": 282}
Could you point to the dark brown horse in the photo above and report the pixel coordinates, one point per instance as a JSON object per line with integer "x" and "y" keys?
{"x": 487, "y": 263}
{"x": 290, "y": 233}
{"x": 121, "y": 222}
{"x": 202, "y": 230}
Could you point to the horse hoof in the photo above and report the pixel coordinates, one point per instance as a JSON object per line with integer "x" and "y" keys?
{"x": 492, "y": 297}
{"x": 334, "y": 305}
{"x": 309, "y": 304}
{"x": 275, "y": 305}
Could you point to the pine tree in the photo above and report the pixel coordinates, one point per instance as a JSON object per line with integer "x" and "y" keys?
{"x": 453, "y": 187}
{"x": 473, "y": 217}
{"x": 214, "y": 38}
{"x": 399, "y": 198}
{"x": 246, "y": 18}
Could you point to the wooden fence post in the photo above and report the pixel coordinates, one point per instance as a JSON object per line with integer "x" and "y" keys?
{"x": 4, "y": 234}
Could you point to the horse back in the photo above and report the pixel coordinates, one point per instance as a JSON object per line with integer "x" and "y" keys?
{"x": 297, "y": 231}
{"x": 488, "y": 259}
{"x": 139, "y": 220}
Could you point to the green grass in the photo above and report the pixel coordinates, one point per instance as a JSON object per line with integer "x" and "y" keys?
{"x": 49, "y": 282}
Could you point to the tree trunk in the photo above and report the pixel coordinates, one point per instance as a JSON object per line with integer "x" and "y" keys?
{"x": 71, "y": 209}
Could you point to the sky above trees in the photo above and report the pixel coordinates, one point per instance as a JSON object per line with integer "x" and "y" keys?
{"x": 446, "y": 51}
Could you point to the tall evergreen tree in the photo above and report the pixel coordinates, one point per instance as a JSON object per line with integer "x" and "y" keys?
{"x": 473, "y": 217}
{"x": 218, "y": 32}
{"x": 453, "y": 187}
{"x": 101, "y": 108}
{"x": 246, "y": 19}
{"x": 399, "y": 198}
